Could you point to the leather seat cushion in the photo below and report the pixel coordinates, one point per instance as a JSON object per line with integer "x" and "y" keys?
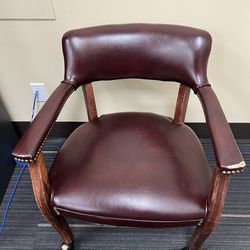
{"x": 134, "y": 169}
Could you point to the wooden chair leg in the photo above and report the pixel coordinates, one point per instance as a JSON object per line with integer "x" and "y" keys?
{"x": 41, "y": 188}
{"x": 216, "y": 202}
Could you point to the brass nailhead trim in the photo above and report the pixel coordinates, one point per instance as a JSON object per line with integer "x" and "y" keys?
{"x": 40, "y": 148}
{"x": 56, "y": 211}
{"x": 206, "y": 116}
{"x": 200, "y": 222}
{"x": 233, "y": 171}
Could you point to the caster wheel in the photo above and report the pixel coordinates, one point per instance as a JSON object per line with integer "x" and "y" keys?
{"x": 67, "y": 246}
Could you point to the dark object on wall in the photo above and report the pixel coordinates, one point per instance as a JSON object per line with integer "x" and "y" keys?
{"x": 133, "y": 169}
{"x": 8, "y": 139}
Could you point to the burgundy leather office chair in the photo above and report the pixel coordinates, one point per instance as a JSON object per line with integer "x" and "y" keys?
{"x": 133, "y": 169}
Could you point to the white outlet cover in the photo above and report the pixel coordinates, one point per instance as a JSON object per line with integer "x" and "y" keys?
{"x": 40, "y": 87}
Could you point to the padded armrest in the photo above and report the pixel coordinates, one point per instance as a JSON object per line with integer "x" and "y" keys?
{"x": 33, "y": 139}
{"x": 228, "y": 155}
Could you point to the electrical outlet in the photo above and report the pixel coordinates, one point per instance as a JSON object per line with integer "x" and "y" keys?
{"x": 42, "y": 92}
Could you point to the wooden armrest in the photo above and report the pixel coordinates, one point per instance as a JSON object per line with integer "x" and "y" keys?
{"x": 228, "y": 155}
{"x": 34, "y": 137}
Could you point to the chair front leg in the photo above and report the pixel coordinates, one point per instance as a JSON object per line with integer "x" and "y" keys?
{"x": 41, "y": 189}
{"x": 216, "y": 203}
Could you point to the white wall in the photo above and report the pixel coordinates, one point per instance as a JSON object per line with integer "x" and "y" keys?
{"x": 30, "y": 51}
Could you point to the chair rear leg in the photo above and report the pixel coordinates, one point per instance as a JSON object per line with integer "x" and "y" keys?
{"x": 216, "y": 203}
{"x": 41, "y": 189}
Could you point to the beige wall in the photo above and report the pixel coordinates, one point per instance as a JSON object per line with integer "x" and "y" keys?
{"x": 30, "y": 51}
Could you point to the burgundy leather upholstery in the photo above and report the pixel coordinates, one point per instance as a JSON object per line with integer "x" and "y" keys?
{"x": 134, "y": 169}
{"x": 32, "y": 140}
{"x": 227, "y": 153}
{"x": 152, "y": 51}
{"x": 161, "y": 52}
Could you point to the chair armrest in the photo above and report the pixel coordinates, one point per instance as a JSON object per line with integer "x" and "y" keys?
{"x": 227, "y": 153}
{"x": 30, "y": 145}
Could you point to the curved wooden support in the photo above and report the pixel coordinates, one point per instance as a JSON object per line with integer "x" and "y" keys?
{"x": 216, "y": 203}
{"x": 181, "y": 104}
{"x": 89, "y": 98}
{"x": 41, "y": 189}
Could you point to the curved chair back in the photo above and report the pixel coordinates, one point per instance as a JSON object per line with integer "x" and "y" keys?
{"x": 148, "y": 51}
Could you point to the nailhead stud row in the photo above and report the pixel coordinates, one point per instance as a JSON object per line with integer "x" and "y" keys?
{"x": 40, "y": 148}
{"x": 233, "y": 171}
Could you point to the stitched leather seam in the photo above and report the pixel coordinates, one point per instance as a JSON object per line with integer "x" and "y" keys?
{"x": 125, "y": 219}
{"x": 71, "y": 83}
{"x": 201, "y": 86}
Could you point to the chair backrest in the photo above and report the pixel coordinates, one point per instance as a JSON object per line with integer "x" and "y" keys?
{"x": 148, "y": 51}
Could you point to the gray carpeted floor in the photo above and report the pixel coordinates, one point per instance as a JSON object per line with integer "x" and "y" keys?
{"x": 27, "y": 229}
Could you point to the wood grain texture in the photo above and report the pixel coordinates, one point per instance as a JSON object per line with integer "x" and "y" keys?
{"x": 41, "y": 189}
{"x": 90, "y": 101}
{"x": 181, "y": 104}
{"x": 216, "y": 201}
